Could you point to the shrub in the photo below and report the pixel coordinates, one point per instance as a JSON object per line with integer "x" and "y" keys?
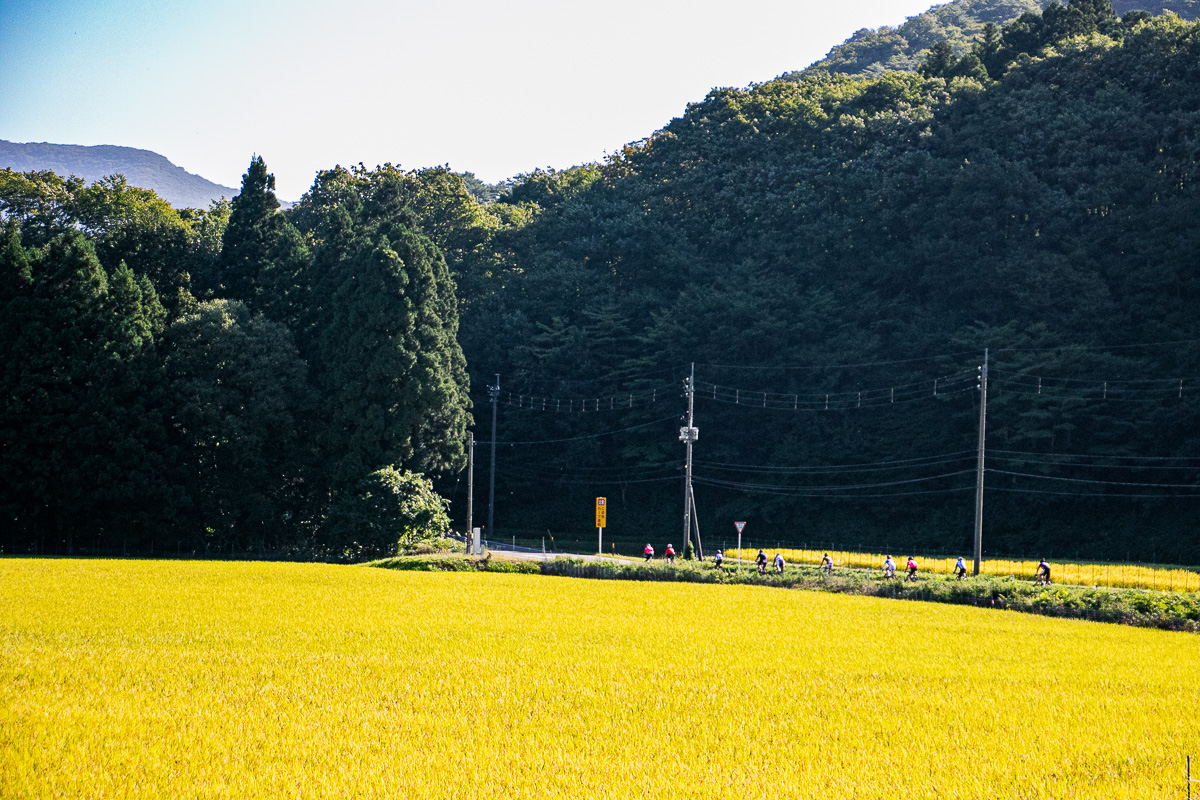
{"x": 388, "y": 512}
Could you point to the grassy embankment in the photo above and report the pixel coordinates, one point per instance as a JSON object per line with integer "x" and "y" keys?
{"x": 1179, "y": 611}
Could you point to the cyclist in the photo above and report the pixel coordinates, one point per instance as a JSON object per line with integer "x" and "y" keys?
{"x": 912, "y": 569}
{"x": 960, "y": 568}
{"x": 669, "y": 554}
{"x": 761, "y": 560}
{"x": 779, "y": 563}
{"x": 1043, "y": 573}
{"x": 827, "y": 564}
{"x": 720, "y": 559}
{"x": 889, "y": 567}
{"x": 648, "y": 552}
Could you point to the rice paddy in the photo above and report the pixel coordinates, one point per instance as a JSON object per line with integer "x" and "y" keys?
{"x": 246, "y": 680}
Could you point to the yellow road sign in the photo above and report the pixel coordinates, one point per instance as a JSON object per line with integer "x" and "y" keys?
{"x": 601, "y": 512}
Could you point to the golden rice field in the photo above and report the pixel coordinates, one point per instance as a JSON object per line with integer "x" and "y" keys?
{"x": 143, "y": 679}
{"x": 1118, "y": 576}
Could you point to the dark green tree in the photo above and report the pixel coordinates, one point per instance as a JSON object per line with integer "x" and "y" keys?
{"x": 264, "y": 260}
{"x": 241, "y": 404}
{"x": 391, "y": 364}
{"x": 82, "y": 436}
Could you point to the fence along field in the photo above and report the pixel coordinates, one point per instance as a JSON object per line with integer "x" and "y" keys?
{"x": 249, "y": 680}
{"x": 1117, "y": 576}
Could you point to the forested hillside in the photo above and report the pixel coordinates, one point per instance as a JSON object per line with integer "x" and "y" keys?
{"x": 960, "y": 24}
{"x": 832, "y": 254}
{"x": 1045, "y": 212}
{"x": 143, "y": 168}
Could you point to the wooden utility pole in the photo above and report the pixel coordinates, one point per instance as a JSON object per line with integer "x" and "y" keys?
{"x": 983, "y": 381}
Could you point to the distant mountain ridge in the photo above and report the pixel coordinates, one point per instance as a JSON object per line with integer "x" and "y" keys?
{"x": 871, "y": 52}
{"x": 144, "y": 168}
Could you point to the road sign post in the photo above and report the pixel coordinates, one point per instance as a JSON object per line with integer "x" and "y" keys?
{"x": 739, "y": 526}
{"x": 601, "y": 521}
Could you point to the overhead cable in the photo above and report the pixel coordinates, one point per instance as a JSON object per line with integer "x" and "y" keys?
{"x": 588, "y": 436}
{"x": 1093, "y": 481}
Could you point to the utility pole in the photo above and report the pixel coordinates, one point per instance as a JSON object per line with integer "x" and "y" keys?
{"x": 983, "y": 380}
{"x": 494, "y": 391}
{"x": 688, "y": 435}
{"x": 696, "y": 527}
{"x": 470, "y": 489}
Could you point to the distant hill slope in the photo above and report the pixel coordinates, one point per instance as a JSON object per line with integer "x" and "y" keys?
{"x": 872, "y": 52}
{"x": 176, "y": 185}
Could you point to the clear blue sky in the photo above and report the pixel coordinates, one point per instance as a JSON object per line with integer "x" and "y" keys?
{"x": 496, "y": 88}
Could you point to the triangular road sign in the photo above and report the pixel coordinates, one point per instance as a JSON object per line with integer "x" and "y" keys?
{"x": 739, "y": 526}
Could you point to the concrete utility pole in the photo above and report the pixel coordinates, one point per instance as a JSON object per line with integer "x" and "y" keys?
{"x": 494, "y": 391}
{"x": 470, "y": 487}
{"x": 983, "y": 380}
{"x": 688, "y": 435}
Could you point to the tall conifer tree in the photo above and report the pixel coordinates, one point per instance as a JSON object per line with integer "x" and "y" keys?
{"x": 263, "y": 257}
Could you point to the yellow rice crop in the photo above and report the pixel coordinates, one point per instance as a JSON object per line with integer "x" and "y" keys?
{"x": 1120, "y": 576}
{"x": 226, "y": 680}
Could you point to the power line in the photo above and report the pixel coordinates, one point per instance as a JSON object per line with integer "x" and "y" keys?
{"x": 944, "y": 380}
{"x": 784, "y": 492}
{"x": 830, "y": 471}
{"x": 799, "y": 368}
{"x": 1097, "y": 495}
{"x": 593, "y": 482}
{"x": 1094, "y": 481}
{"x": 1012, "y": 459}
{"x": 1080, "y": 455}
{"x": 749, "y": 401}
{"x": 663, "y": 465}
{"x": 842, "y": 487}
{"x": 1077, "y": 347}
{"x": 591, "y": 405}
{"x": 592, "y": 435}
{"x": 1097, "y": 395}
{"x": 525, "y": 380}
{"x": 862, "y": 464}
{"x": 1173, "y": 381}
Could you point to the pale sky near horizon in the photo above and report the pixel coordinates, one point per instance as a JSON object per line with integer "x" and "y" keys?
{"x": 497, "y": 88}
